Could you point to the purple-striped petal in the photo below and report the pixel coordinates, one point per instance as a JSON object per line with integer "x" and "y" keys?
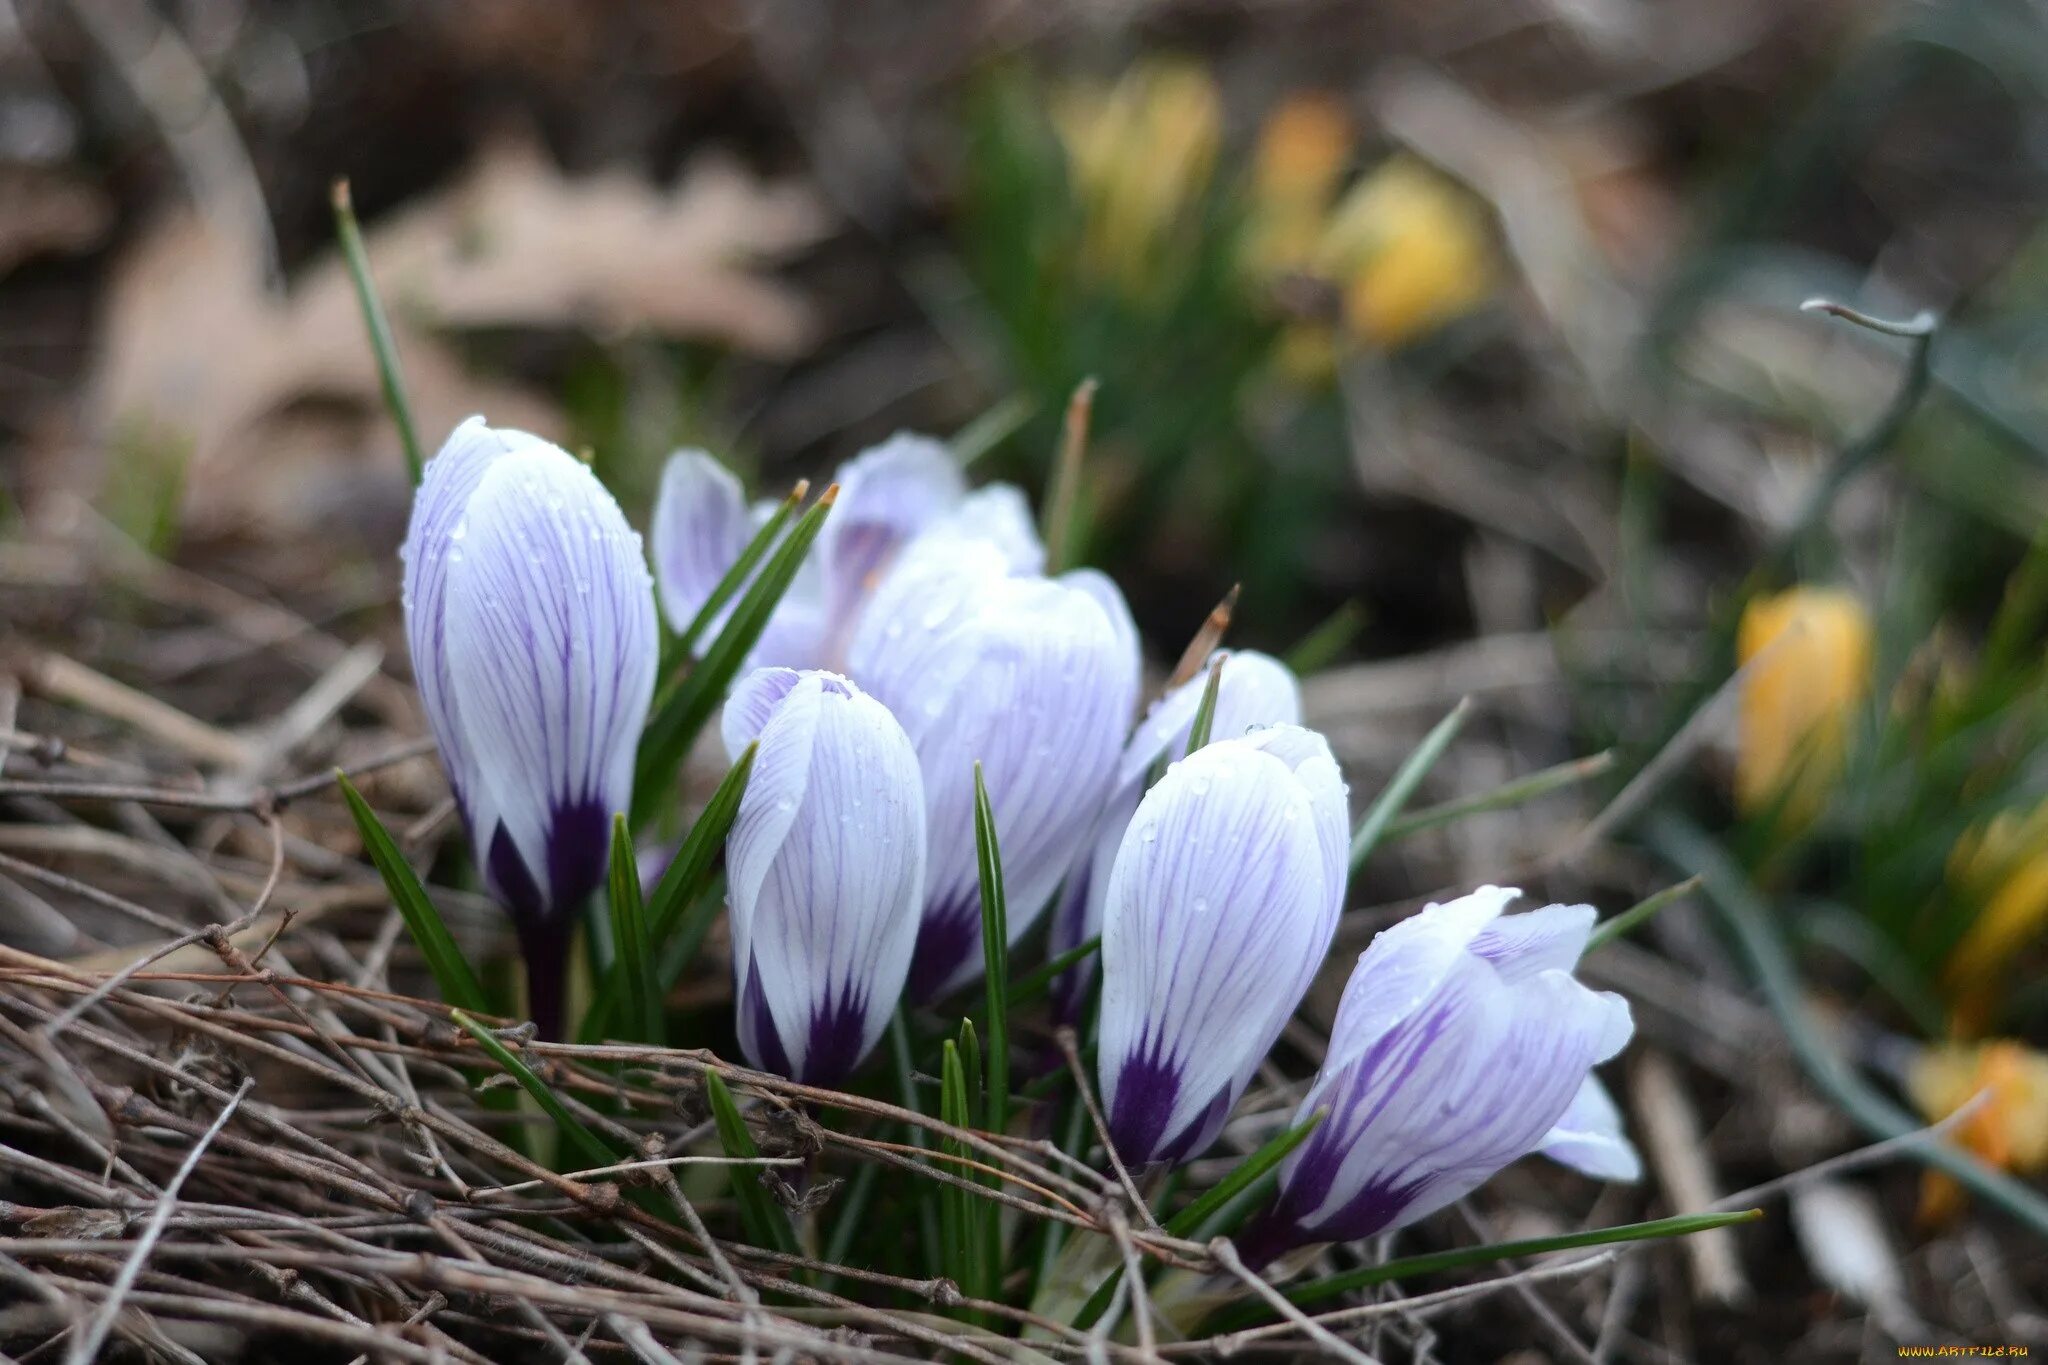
{"x": 700, "y": 525}
{"x": 1455, "y": 1052}
{"x": 1026, "y": 675}
{"x": 437, "y": 511}
{"x": 887, "y": 494}
{"x": 1589, "y": 1138}
{"x": 550, "y": 644}
{"x": 825, "y": 868}
{"x": 1255, "y": 691}
{"x": 1219, "y": 911}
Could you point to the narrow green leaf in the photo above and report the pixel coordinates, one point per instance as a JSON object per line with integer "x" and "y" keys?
{"x": 1321, "y": 646}
{"x": 1370, "y": 830}
{"x": 1242, "y": 1176}
{"x": 379, "y": 327}
{"x": 956, "y": 1206}
{"x": 686, "y": 705}
{"x": 756, "y": 550}
{"x": 1636, "y": 915}
{"x": 589, "y": 1146}
{"x": 633, "y": 957}
{"x": 690, "y": 870}
{"x": 992, "y": 428}
{"x": 682, "y": 909}
{"x": 1185, "y": 1223}
{"x": 1205, "y": 710}
{"x": 1063, "y": 497}
{"x": 766, "y": 1225}
{"x": 1409, "y": 1267}
{"x": 1039, "y": 980}
{"x": 451, "y": 969}
{"x": 1505, "y": 796}
{"x": 929, "y": 1207}
{"x": 995, "y": 954}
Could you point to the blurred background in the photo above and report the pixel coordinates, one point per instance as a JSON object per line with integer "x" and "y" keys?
{"x": 1465, "y": 337}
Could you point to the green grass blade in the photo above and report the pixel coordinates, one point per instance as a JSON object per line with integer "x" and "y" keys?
{"x": 766, "y": 1225}
{"x": 1409, "y": 1267}
{"x": 589, "y": 1146}
{"x": 1212, "y": 1201}
{"x": 681, "y": 909}
{"x": 962, "y": 1259}
{"x": 1636, "y": 915}
{"x": 1061, "y": 529}
{"x": 1374, "y": 826}
{"x": 1039, "y": 980}
{"x": 992, "y": 428}
{"x": 633, "y": 956}
{"x": 685, "y": 707}
{"x": 928, "y": 1208}
{"x": 1319, "y": 648}
{"x": 756, "y": 550}
{"x": 995, "y": 955}
{"x": 451, "y": 969}
{"x": 1507, "y": 795}
{"x": 1242, "y": 1176}
{"x": 381, "y": 344}
{"x": 1205, "y": 710}
{"x": 690, "y": 870}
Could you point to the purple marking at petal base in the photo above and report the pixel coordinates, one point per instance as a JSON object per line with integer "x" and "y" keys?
{"x": 1146, "y": 1088}
{"x": 515, "y": 885}
{"x": 836, "y": 1031}
{"x": 544, "y": 943}
{"x": 946, "y": 939}
{"x": 766, "y": 1040}
{"x": 579, "y": 848}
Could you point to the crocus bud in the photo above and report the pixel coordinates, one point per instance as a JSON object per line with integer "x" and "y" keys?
{"x": 531, "y": 621}
{"x": 1219, "y": 910}
{"x": 1462, "y": 1043}
{"x": 1254, "y": 690}
{"x": 825, "y": 868}
{"x": 1034, "y": 678}
{"x": 889, "y": 496}
{"x": 1807, "y": 656}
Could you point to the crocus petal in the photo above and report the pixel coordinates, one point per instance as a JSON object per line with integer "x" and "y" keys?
{"x": 550, "y": 643}
{"x": 1217, "y": 915}
{"x": 887, "y": 494}
{"x": 997, "y": 514}
{"x": 825, "y": 866}
{"x": 1549, "y": 939}
{"x": 1256, "y": 690}
{"x": 437, "y": 511}
{"x": 1024, "y": 675}
{"x": 1459, "y": 1047}
{"x": 1589, "y": 1138}
{"x": 1442, "y": 1101}
{"x": 699, "y": 527}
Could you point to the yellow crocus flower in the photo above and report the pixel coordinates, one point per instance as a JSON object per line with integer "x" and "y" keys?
{"x": 1410, "y": 251}
{"x": 1302, "y": 149}
{"x": 1807, "y": 656}
{"x": 2009, "y": 1127}
{"x": 2002, "y": 868}
{"x": 1141, "y": 152}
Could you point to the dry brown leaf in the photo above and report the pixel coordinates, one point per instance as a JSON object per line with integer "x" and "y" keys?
{"x": 273, "y": 402}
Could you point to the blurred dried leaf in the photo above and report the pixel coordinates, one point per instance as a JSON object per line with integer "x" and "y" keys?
{"x": 47, "y": 212}
{"x": 272, "y": 403}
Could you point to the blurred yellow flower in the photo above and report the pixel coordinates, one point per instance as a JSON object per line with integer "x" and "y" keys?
{"x": 2008, "y": 1128}
{"x": 1140, "y": 152}
{"x": 1807, "y": 652}
{"x": 1409, "y": 249}
{"x": 1302, "y": 149}
{"x": 2000, "y": 868}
